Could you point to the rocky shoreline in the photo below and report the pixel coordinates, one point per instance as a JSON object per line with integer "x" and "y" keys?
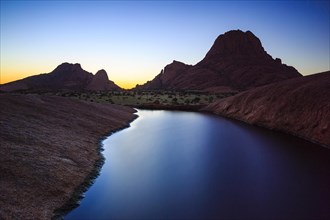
{"x": 190, "y": 108}
{"x": 51, "y": 152}
{"x": 78, "y": 193}
{"x": 299, "y": 107}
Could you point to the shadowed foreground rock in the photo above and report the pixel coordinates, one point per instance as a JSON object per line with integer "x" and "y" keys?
{"x": 299, "y": 106}
{"x": 49, "y": 145}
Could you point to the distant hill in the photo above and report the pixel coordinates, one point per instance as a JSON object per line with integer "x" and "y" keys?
{"x": 65, "y": 76}
{"x": 236, "y": 61}
{"x": 297, "y": 106}
{"x": 101, "y": 82}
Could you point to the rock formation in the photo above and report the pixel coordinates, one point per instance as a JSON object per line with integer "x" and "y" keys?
{"x": 49, "y": 149}
{"x": 65, "y": 76}
{"x": 101, "y": 82}
{"x": 170, "y": 74}
{"x": 297, "y": 106}
{"x": 236, "y": 61}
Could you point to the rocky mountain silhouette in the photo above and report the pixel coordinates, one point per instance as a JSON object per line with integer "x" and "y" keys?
{"x": 236, "y": 62}
{"x": 65, "y": 76}
{"x": 101, "y": 82}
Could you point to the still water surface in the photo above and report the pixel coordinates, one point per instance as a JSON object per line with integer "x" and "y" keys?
{"x": 185, "y": 165}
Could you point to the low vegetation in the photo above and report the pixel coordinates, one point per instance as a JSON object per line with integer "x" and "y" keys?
{"x": 142, "y": 98}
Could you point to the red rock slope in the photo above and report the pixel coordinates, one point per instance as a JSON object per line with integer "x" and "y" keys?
{"x": 299, "y": 106}
{"x": 48, "y": 149}
{"x": 236, "y": 61}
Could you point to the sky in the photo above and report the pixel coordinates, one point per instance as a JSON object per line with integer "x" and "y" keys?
{"x": 134, "y": 40}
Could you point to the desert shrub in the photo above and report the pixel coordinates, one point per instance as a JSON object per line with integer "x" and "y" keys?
{"x": 196, "y": 100}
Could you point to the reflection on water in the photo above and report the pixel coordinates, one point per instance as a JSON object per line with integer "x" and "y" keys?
{"x": 183, "y": 165}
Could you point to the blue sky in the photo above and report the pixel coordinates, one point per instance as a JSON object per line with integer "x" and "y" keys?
{"x": 134, "y": 40}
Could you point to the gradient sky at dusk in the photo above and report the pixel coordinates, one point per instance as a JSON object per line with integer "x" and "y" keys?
{"x": 134, "y": 40}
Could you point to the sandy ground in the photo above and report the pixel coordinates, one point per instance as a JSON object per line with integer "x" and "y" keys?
{"x": 49, "y": 149}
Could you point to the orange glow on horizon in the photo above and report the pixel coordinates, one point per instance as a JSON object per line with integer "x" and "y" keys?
{"x": 125, "y": 84}
{"x": 14, "y": 75}
{"x": 130, "y": 84}
{"x": 10, "y": 71}
{"x": 10, "y": 76}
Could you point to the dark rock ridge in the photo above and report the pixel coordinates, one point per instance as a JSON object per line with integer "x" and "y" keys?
{"x": 167, "y": 76}
{"x": 297, "y": 106}
{"x": 101, "y": 82}
{"x": 236, "y": 61}
{"x": 65, "y": 76}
